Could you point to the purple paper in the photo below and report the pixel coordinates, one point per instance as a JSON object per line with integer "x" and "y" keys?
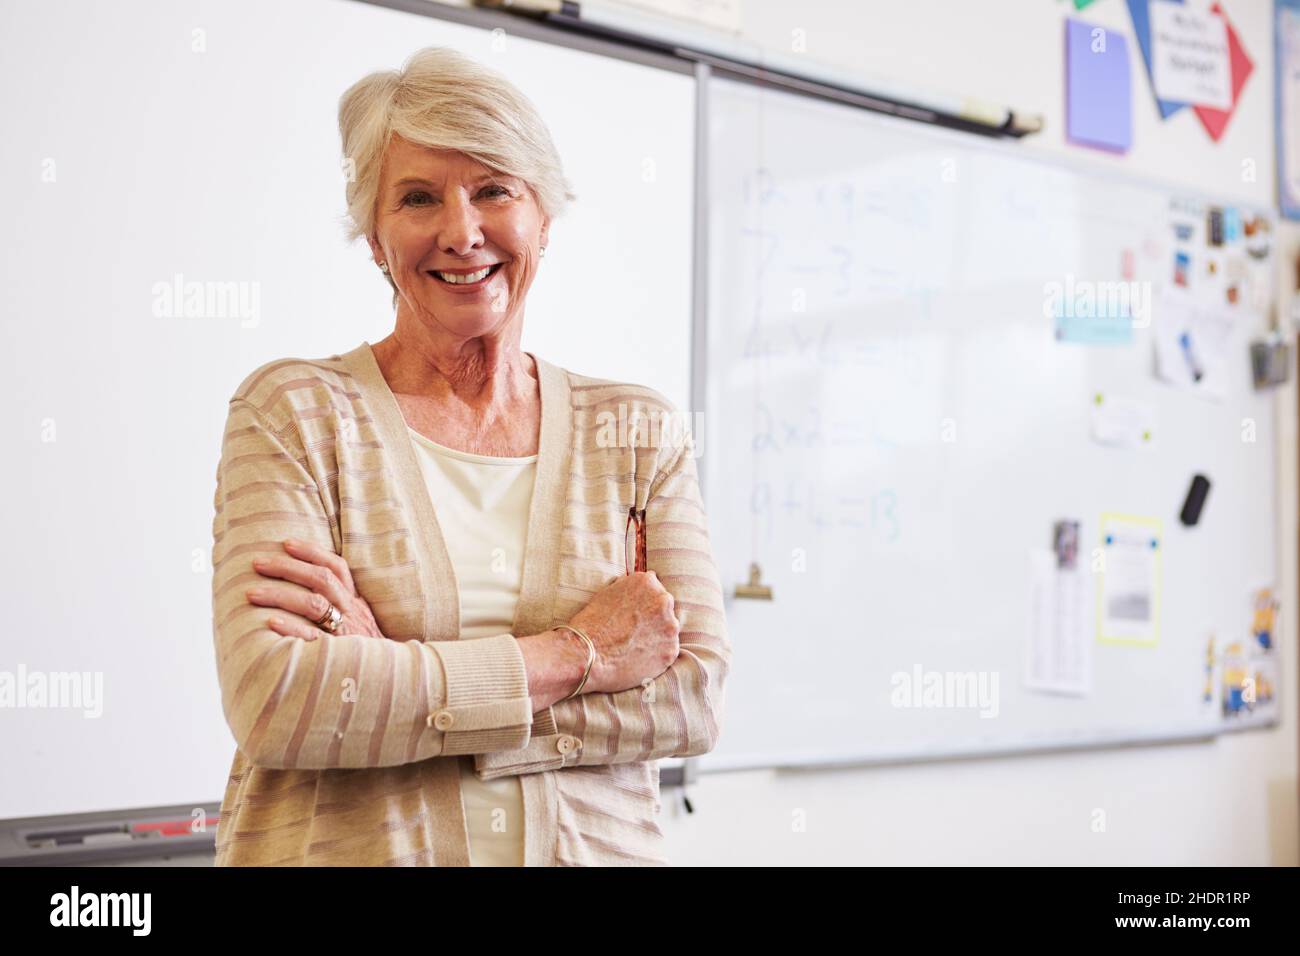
{"x": 1098, "y": 87}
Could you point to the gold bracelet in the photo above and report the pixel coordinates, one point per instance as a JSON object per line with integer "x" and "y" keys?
{"x": 591, "y": 657}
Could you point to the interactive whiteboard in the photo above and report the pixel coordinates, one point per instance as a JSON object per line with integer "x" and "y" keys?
{"x": 159, "y": 144}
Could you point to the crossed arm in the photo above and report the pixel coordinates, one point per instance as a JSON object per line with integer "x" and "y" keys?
{"x": 358, "y": 701}
{"x": 345, "y": 700}
{"x": 679, "y": 713}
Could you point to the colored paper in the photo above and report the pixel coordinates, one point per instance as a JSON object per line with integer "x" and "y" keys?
{"x": 1250, "y": 667}
{"x": 1094, "y": 330}
{"x": 1097, "y": 313}
{"x": 1098, "y": 87}
{"x": 1216, "y": 121}
{"x": 1263, "y": 624}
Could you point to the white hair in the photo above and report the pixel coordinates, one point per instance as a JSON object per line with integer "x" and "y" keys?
{"x": 443, "y": 99}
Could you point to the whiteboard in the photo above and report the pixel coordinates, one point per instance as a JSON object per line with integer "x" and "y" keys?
{"x": 157, "y": 139}
{"x": 892, "y": 427}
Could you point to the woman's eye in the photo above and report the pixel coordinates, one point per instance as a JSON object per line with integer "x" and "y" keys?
{"x": 422, "y": 198}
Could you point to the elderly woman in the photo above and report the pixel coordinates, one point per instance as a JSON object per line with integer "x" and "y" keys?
{"x": 431, "y": 647}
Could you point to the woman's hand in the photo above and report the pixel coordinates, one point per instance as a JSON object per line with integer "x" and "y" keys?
{"x": 329, "y": 579}
{"x": 632, "y": 624}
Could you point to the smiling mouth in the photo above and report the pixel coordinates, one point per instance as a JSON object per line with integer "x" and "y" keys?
{"x": 466, "y": 281}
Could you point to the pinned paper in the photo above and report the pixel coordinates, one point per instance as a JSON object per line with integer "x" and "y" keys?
{"x": 1122, "y": 422}
{"x": 1231, "y": 224}
{"x": 1240, "y": 66}
{"x": 1263, "y": 624}
{"x": 1128, "y": 587}
{"x": 1236, "y": 687}
{"x": 1094, "y": 313}
{"x": 1189, "y": 55}
{"x": 1094, "y": 329}
{"x": 1249, "y": 684}
{"x": 1098, "y": 87}
{"x": 1057, "y": 653}
{"x": 1192, "y": 342}
{"x": 1250, "y": 671}
{"x": 1138, "y": 11}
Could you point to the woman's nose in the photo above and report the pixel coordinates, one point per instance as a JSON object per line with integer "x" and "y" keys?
{"x": 459, "y": 230}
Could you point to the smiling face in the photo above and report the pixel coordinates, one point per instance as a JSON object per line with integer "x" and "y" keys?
{"x": 441, "y": 218}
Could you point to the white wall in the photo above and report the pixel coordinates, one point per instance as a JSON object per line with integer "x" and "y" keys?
{"x": 1233, "y": 801}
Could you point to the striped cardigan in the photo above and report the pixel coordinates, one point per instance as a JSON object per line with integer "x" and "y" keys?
{"x": 348, "y": 746}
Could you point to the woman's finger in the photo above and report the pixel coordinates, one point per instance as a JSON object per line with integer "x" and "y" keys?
{"x": 323, "y": 587}
{"x": 294, "y": 627}
{"x": 322, "y": 580}
{"x": 322, "y": 556}
{"x": 306, "y": 604}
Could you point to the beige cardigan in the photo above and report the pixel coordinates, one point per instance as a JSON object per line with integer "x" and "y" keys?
{"x": 347, "y": 746}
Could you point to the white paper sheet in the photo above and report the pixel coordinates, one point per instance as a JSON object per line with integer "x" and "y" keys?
{"x": 1058, "y": 652}
{"x": 1129, "y": 607}
{"x": 1122, "y": 422}
{"x": 1192, "y": 342}
{"x": 1189, "y": 56}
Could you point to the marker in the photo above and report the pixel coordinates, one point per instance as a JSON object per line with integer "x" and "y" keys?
{"x": 1185, "y": 340}
{"x": 167, "y": 828}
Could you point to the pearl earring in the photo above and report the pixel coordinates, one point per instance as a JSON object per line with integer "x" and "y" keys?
{"x": 542, "y": 253}
{"x": 383, "y": 267}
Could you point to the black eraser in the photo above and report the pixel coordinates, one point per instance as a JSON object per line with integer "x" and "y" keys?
{"x": 1195, "y": 500}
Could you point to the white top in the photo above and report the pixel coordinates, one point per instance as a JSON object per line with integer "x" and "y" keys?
{"x": 482, "y": 505}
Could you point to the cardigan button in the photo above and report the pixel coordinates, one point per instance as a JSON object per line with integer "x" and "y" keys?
{"x": 443, "y": 720}
{"x": 565, "y": 744}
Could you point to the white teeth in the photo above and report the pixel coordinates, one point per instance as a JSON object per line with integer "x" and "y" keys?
{"x": 465, "y": 279}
